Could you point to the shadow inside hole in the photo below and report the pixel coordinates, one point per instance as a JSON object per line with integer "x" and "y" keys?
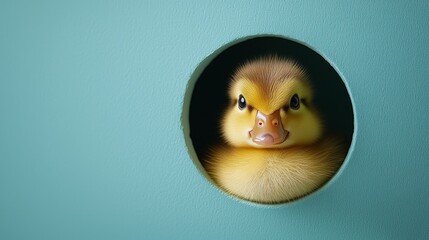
{"x": 209, "y": 98}
{"x": 210, "y": 93}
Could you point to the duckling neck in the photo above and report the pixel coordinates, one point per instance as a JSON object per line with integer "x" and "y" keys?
{"x": 275, "y": 175}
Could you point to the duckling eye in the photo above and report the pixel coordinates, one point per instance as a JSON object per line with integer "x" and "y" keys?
{"x": 294, "y": 102}
{"x": 241, "y": 102}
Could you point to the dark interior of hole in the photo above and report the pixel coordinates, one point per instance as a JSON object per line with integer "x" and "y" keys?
{"x": 209, "y": 98}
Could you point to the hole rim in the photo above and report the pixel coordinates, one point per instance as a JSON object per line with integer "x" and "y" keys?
{"x": 185, "y": 124}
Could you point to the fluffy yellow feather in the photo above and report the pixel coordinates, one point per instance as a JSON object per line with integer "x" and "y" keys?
{"x": 276, "y": 148}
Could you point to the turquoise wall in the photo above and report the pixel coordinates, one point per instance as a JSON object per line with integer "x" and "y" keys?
{"x": 91, "y": 141}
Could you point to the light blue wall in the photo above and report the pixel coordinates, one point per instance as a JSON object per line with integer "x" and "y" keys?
{"x": 91, "y": 143}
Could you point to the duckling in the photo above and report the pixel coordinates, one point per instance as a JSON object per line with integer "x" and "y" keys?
{"x": 276, "y": 148}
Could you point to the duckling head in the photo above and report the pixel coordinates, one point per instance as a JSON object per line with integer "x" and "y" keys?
{"x": 271, "y": 106}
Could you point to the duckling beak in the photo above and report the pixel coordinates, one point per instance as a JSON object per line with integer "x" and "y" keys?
{"x": 268, "y": 129}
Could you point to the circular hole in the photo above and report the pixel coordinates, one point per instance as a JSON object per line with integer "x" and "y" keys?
{"x": 268, "y": 164}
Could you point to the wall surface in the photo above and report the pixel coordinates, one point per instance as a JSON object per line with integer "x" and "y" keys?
{"x": 91, "y": 139}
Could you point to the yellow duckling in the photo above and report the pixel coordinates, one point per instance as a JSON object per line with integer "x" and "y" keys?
{"x": 276, "y": 149}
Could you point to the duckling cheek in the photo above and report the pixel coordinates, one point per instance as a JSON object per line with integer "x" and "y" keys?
{"x": 236, "y": 127}
{"x": 268, "y": 129}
